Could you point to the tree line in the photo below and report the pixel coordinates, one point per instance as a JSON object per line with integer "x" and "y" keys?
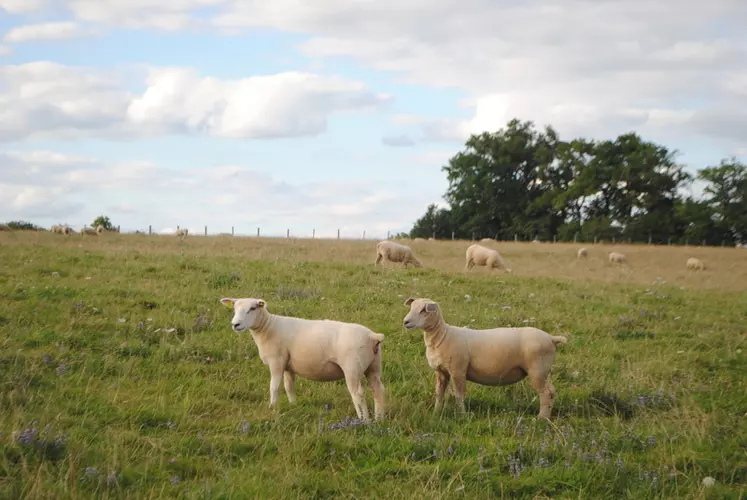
{"x": 528, "y": 183}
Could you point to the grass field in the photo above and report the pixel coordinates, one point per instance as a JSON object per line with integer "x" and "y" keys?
{"x": 121, "y": 378}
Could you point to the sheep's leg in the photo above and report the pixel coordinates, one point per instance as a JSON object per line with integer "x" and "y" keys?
{"x": 276, "y": 375}
{"x": 442, "y": 382}
{"x": 470, "y": 264}
{"x": 542, "y": 384}
{"x": 460, "y": 388}
{"x": 353, "y": 380}
{"x": 374, "y": 379}
{"x": 289, "y": 379}
{"x": 378, "y": 259}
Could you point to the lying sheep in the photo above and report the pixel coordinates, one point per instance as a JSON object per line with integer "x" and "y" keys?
{"x": 582, "y": 253}
{"x": 616, "y": 257}
{"x": 395, "y": 252}
{"x": 321, "y": 350}
{"x": 478, "y": 255}
{"x": 495, "y": 357}
{"x": 695, "y": 264}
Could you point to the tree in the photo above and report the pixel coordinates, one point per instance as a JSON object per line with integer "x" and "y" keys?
{"x": 726, "y": 193}
{"x": 104, "y": 221}
{"x": 436, "y": 221}
{"x": 494, "y": 180}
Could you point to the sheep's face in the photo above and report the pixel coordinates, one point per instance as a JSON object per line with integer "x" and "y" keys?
{"x": 246, "y": 312}
{"x": 423, "y": 313}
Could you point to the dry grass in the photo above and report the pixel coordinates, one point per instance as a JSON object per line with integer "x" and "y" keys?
{"x": 122, "y": 379}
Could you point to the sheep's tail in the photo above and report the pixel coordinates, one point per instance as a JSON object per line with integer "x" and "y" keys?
{"x": 558, "y": 339}
{"x": 378, "y": 338}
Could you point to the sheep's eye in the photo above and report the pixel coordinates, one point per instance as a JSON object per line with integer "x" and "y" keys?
{"x": 252, "y": 308}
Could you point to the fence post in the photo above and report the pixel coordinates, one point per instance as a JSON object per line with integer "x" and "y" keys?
{"x": 703, "y": 243}
{"x": 649, "y": 237}
{"x": 119, "y": 229}
{"x": 387, "y": 235}
{"x": 669, "y": 240}
{"x": 150, "y": 229}
{"x": 206, "y": 230}
{"x": 473, "y": 236}
{"x": 575, "y": 237}
{"x": 554, "y": 239}
{"x": 257, "y": 232}
{"x": 687, "y": 242}
{"x": 722, "y": 243}
{"x": 516, "y": 238}
{"x": 232, "y": 234}
{"x": 364, "y": 235}
{"x": 452, "y": 236}
{"x": 595, "y": 240}
{"x": 313, "y": 234}
{"x": 288, "y": 233}
{"x": 338, "y": 234}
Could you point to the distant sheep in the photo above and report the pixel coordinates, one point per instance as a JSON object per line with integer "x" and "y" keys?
{"x": 88, "y": 230}
{"x": 67, "y": 230}
{"x": 419, "y": 240}
{"x": 182, "y": 232}
{"x": 395, "y": 252}
{"x": 320, "y": 350}
{"x": 487, "y": 240}
{"x": 478, "y": 255}
{"x": 617, "y": 258}
{"x": 5, "y": 227}
{"x": 99, "y": 229}
{"x": 695, "y": 264}
{"x": 494, "y": 357}
{"x": 582, "y": 253}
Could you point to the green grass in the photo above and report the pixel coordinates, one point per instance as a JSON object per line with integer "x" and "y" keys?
{"x": 121, "y": 378}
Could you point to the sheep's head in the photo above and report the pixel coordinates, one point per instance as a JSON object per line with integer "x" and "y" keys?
{"x": 246, "y": 312}
{"x": 424, "y": 313}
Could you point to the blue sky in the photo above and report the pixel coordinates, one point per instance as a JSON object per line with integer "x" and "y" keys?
{"x": 168, "y": 113}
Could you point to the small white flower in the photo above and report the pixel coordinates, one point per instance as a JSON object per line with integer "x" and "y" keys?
{"x": 467, "y": 298}
{"x": 121, "y": 320}
{"x": 708, "y": 481}
{"x": 574, "y": 374}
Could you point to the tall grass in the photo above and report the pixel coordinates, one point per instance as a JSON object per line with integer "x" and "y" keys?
{"x": 121, "y": 378}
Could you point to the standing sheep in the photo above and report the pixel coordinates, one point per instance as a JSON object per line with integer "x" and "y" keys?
{"x": 478, "y": 255}
{"x": 695, "y": 264}
{"x": 617, "y": 258}
{"x": 582, "y": 253}
{"x": 395, "y": 252}
{"x": 494, "y": 357}
{"x": 182, "y": 232}
{"x": 88, "y": 230}
{"x": 320, "y": 350}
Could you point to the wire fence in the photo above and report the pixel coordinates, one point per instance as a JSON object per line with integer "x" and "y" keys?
{"x": 364, "y": 235}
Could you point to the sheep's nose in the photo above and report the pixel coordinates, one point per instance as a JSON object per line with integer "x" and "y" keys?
{"x": 236, "y": 325}
{"x": 407, "y": 323}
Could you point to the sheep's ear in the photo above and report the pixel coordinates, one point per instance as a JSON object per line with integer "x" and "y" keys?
{"x": 227, "y": 302}
{"x": 260, "y": 303}
{"x": 409, "y": 301}
{"x": 431, "y": 307}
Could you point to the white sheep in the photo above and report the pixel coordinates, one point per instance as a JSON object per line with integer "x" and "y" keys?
{"x": 582, "y": 253}
{"x": 494, "y": 357}
{"x": 88, "y": 230}
{"x": 478, "y": 255}
{"x": 182, "y": 232}
{"x": 695, "y": 264}
{"x": 4, "y": 227}
{"x": 617, "y": 258}
{"x": 395, "y": 252}
{"x": 419, "y": 240}
{"x": 99, "y": 229}
{"x": 320, "y": 350}
{"x": 487, "y": 240}
{"x": 67, "y": 230}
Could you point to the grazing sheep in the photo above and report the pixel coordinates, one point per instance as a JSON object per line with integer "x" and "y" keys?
{"x": 99, "y": 229}
{"x": 321, "y": 350}
{"x": 487, "y": 240}
{"x": 478, "y": 255}
{"x": 419, "y": 240}
{"x": 88, "y": 230}
{"x": 182, "y": 232}
{"x": 4, "y": 227}
{"x": 619, "y": 258}
{"x": 695, "y": 264}
{"x": 395, "y": 252}
{"x": 582, "y": 253}
{"x": 494, "y": 357}
{"x": 67, "y": 230}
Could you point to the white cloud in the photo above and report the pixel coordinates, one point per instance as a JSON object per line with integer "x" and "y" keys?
{"x": 5, "y": 51}
{"x": 22, "y": 6}
{"x": 45, "y": 99}
{"x": 61, "y": 30}
{"x": 48, "y": 188}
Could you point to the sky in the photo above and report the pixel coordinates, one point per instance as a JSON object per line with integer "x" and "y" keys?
{"x": 335, "y": 114}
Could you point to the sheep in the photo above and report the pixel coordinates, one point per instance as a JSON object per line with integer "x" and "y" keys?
{"x": 695, "y": 264}
{"x": 478, "y": 255}
{"x": 395, "y": 252}
{"x": 67, "y": 230}
{"x": 99, "y": 229}
{"x": 487, "y": 240}
{"x": 182, "y": 232}
{"x": 616, "y": 257}
{"x": 320, "y": 350}
{"x": 494, "y": 357}
{"x": 582, "y": 253}
{"x": 419, "y": 240}
{"x": 5, "y": 227}
{"x": 88, "y": 230}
